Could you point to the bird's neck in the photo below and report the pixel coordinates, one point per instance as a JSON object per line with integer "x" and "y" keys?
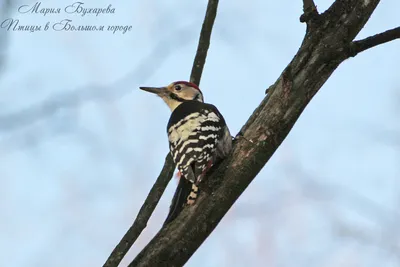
{"x": 173, "y": 104}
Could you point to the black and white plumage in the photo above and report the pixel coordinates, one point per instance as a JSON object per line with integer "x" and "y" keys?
{"x": 194, "y": 131}
{"x": 198, "y": 137}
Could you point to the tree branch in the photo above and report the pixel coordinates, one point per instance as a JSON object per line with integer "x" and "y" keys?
{"x": 310, "y": 11}
{"x": 166, "y": 174}
{"x": 372, "y": 41}
{"x": 320, "y": 54}
{"x": 144, "y": 214}
{"x": 204, "y": 42}
{"x": 350, "y": 12}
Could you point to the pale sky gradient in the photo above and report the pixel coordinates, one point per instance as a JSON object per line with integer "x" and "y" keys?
{"x": 81, "y": 146}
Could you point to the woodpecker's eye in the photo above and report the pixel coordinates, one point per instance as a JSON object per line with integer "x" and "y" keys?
{"x": 178, "y": 87}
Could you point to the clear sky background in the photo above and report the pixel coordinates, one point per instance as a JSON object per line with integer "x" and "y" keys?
{"x": 81, "y": 146}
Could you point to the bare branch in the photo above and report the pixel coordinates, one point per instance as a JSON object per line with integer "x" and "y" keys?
{"x": 308, "y": 5}
{"x": 372, "y": 41}
{"x": 204, "y": 42}
{"x": 144, "y": 214}
{"x": 350, "y": 12}
{"x": 310, "y": 11}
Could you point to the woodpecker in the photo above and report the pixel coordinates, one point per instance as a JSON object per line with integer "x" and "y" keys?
{"x": 198, "y": 138}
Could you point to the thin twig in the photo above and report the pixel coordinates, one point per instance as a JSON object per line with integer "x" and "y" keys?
{"x": 309, "y": 11}
{"x": 372, "y": 41}
{"x": 144, "y": 214}
{"x": 308, "y": 5}
{"x": 204, "y": 42}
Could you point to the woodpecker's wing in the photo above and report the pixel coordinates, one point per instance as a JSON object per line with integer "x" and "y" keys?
{"x": 196, "y": 131}
{"x": 198, "y": 136}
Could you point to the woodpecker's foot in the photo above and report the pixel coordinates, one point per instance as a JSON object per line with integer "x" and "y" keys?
{"x": 191, "y": 199}
{"x": 178, "y": 175}
{"x": 208, "y": 167}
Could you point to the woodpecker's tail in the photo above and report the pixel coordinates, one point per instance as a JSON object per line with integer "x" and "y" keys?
{"x": 186, "y": 193}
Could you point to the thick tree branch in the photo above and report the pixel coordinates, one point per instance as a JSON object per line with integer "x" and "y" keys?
{"x": 144, "y": 214}
{"x": 204, "y": 42}
{"x": 319, "y": 55}
{"x": 372, "y": 41}
{"x": 166, "y": 174}
{"x": 352, "y": 13}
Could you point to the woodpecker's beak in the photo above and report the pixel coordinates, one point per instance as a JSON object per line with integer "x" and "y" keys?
{"x": 160, "y": 91}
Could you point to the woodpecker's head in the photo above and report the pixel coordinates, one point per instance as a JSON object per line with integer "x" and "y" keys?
{"x": 176, "y": 93}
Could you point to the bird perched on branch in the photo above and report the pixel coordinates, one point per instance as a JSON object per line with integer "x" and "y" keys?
{"x": 198, "y": 138}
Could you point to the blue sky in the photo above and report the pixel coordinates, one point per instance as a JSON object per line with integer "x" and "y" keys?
{"x": 80, "y": 145}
